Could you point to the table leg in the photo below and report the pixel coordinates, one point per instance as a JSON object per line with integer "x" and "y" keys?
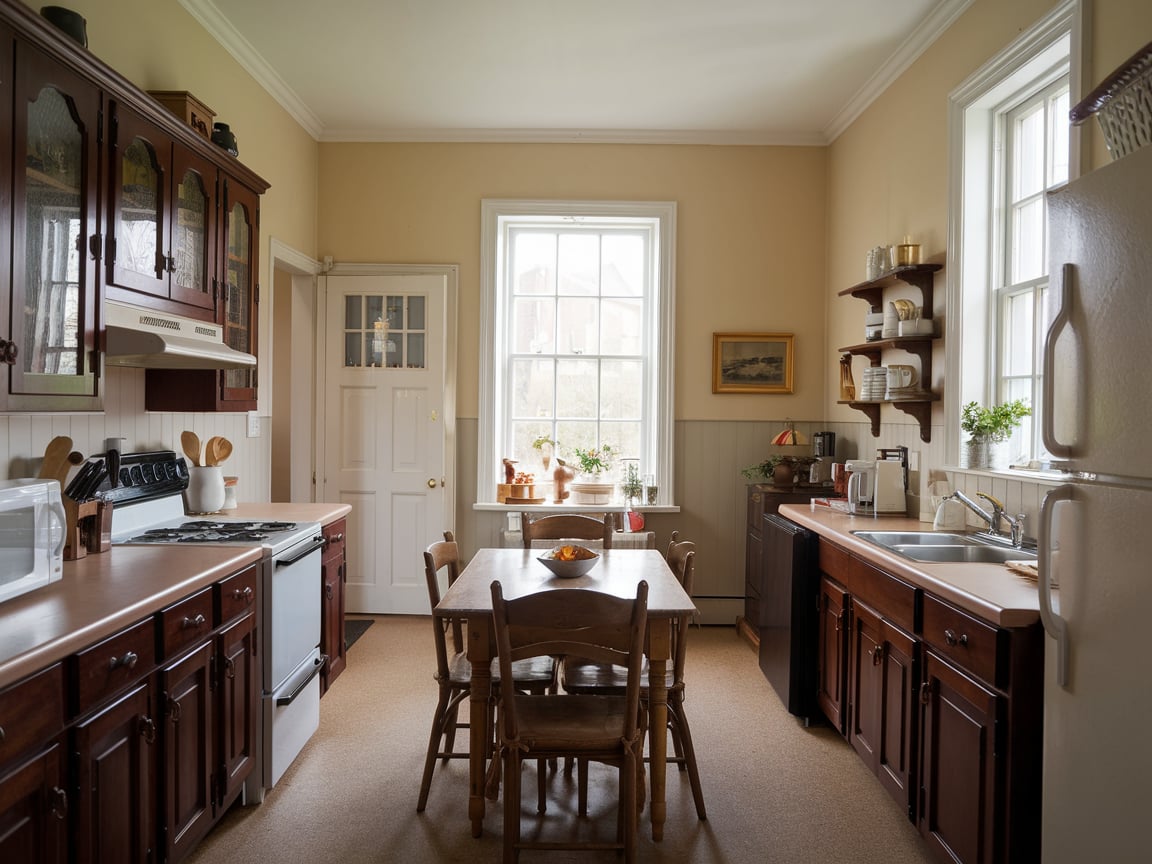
{"x": 658, "y": 649}
{"x": 480, "y": 656}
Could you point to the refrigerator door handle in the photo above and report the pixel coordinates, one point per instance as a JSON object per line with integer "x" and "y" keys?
{"x": 1054, "y": 625}
{"x": 1048, "y": 415}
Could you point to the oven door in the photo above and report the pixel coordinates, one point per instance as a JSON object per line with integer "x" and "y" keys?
{"x": 291, "y": 717}
{"x": 292, "y": 610}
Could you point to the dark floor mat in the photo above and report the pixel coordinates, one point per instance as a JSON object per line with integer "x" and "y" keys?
{"x": 354, "y": 629}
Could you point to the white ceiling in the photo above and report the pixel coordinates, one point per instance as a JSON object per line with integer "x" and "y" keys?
{"x": 692, "y": 71}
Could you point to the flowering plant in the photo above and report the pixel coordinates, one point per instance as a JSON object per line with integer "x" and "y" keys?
{"x": 595, "y": 460}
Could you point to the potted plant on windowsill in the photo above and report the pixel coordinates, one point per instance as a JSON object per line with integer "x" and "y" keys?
{"x": 591, "y": 464}
{"x": 987, "y": 427}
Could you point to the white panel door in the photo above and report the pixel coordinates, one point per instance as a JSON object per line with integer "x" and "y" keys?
{"x": 385, "y": 441}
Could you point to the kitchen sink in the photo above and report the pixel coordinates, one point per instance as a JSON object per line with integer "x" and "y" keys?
{"x": 938, "y": 546}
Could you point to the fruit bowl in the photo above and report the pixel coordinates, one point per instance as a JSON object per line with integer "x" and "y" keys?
{"x": 569, "y": 561}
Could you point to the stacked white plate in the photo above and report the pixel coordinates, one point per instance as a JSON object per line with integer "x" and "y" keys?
{"x": 874, "y": 384}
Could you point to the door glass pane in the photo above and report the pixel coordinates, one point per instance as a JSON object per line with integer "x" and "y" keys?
{"x": 352, "y": 349}
{"x": 138, "y": 236}
{"x": 395, "y": 312}
{"x": 415, "y": 351}
{"x": 190, "y": 234}
{"x": 236, "y": 294}
{"x": 55, "y": 177}
{"x": 353, "y": 304}
{"x": 416, "y": 313}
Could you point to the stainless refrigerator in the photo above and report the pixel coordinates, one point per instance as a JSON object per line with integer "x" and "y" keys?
{"x": 1096, "y": 530}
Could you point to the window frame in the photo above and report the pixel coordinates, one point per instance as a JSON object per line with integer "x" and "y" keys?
{"x": 497, "y": 217}
{"x": 972, "y": 340}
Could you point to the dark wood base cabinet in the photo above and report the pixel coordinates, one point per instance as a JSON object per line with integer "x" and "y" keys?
{"x": 333, "y": 578}
{"x": 944, "y": 707}
{"x": 130, "y": 750}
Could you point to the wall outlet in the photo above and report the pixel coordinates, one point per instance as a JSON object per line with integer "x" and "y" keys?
{"x": 253, "y": 424}
{"x": 913, "y": 460}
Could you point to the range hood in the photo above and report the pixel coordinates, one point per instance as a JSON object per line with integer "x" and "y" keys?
{"x": 157, "y": 340}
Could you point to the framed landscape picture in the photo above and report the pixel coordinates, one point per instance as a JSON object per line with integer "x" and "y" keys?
{"x": 752, "y": 363}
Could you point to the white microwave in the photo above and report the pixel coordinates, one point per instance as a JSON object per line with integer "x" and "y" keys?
{"x": 32, "y": 535}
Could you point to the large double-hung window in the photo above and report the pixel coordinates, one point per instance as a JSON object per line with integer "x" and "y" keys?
{"x": 577, "y": 303}
{"x": 1012, "y": 144}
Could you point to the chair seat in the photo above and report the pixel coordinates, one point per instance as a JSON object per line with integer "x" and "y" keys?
{"x": 580, "y": 677}
{"x": 535, "y": 671}
{"x": 588, "y": 724}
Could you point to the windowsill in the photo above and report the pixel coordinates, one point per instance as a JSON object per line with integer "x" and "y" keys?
{"x": 1052, "y": 478}
{"x": 492, "y": 507}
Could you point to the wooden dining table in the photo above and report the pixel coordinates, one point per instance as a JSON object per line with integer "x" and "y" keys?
{"x": 520, "y": 573}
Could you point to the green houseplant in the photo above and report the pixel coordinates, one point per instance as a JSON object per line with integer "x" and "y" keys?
{"x": 778, "y": 468}
{"x": 989, "y": 426}
{"x": 595, "y": 460}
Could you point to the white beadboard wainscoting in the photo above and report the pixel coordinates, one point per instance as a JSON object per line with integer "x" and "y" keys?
{"x": 24, "y": 436}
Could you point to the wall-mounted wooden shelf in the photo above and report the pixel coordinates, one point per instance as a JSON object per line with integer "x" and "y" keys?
{"x": 919, "y": 275}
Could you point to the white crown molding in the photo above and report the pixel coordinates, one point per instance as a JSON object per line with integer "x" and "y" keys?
{"x": 220, "y": 29}
{"x": 576, "y": 136}
{"x": 929, "y": 30}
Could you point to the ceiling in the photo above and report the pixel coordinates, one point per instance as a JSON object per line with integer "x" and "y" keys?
{"x": 674, "y": 71}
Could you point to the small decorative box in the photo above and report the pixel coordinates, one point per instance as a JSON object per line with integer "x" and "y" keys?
{"x": 186, "y": 106}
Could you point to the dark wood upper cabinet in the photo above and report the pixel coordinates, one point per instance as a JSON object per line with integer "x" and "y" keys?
{"x": 51, "y": 318}
{"x": 109, "y": 195}
{"x": 162, "y": 220}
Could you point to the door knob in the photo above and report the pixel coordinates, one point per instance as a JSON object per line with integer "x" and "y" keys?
{"x": 431, "y": 482}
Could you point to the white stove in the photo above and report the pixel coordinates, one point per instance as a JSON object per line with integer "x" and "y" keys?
{"x": 148, "y": 509}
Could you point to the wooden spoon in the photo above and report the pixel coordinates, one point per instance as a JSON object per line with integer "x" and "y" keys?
{"x": 55, "y": 457}
{"x": 210, "y": 452}
{"x": 223, "y": 449}
{"x": 190, "y": 442}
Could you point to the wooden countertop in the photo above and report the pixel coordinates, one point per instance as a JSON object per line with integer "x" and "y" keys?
{"x": 322, "y": 512}
{"x": 989, "y": 591}
{"x": 100, "y": 594}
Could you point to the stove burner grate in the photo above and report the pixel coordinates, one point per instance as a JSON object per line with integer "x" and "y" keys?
{"x": 208, "y": 531}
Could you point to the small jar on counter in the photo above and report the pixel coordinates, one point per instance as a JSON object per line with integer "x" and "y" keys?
{"x": 230, "y": 502}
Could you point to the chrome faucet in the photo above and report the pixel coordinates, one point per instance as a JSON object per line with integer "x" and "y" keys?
{"x": 1015, "y": 524}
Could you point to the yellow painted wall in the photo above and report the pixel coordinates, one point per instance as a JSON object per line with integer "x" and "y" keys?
{"x": 750, "y": 249}
{"x": 888, "y": 173}
{"x": 157, "y": 45}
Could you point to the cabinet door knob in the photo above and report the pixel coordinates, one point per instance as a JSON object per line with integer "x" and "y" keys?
{"x": 148, "y": 730}
{"x": 173, "y": 710}
{"x": 328, "y": 590}
{"x": 128, "y": 661}
{"x": 59, "y": 803}
{"x": 229, "y": 667}
{"x": 952, "y": 639}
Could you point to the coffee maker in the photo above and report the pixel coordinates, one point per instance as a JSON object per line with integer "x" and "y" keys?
{"x": 824, "y": 452}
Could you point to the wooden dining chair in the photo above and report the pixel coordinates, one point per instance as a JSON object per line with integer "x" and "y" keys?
{"x": 582, "y": 677}
{"x": 454, "y": 672}
{"x": 567, "y": 526}
{"x": 605, "y": 728}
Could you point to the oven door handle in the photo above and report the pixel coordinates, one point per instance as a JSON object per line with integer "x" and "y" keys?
{"x": 316, "y": 543}
{"x": 291, "y": 697}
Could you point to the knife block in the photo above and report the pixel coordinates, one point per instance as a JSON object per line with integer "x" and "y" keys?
{"x": 89, "y": 527}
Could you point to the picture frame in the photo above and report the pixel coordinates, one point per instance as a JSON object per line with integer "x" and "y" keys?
{"x": 752, "y": 362}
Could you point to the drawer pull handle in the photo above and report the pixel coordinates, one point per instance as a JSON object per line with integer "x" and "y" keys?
{"x": 148, "y": 730}
{"x": 192, "y": 623}
{"x": 128, "y": 661}
{"x": 244, "y": 594}
{"x": 952, "y": 639}
{"x": 877, "y": 655}
{"x": 173, "y": 710}
{"x": 229, "y": 668}
{"x": 59, "y": 803}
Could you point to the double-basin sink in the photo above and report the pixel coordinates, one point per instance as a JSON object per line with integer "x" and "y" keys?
{"x": 941, "y": 547}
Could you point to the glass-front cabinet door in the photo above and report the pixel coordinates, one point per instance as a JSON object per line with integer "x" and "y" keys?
{"x": 52, "y": 319}
{"x": 161, "y": 219}
{"x": 239, "y": 289}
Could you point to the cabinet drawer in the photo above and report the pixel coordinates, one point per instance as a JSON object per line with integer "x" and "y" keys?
{"x": 335, "y": 535}
{"x": 186, "y": 623}
{"x": 891, "y": 597}
{"x": 113, "y": 664}
{"x": 31, "y": 712}
{"x": 963, "y": 639}
{"x": 236, "y": 594}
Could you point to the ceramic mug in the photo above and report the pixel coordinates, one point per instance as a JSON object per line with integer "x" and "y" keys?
{"x": 901, "y": 376}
